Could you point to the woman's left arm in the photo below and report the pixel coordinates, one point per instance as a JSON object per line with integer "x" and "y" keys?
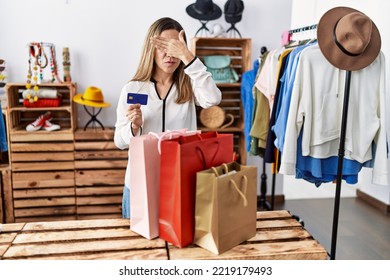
{"x": 206, "y": 92}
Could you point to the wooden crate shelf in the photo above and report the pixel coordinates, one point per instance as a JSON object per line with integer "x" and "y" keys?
{"x": 20, "y": 116}
{"x": 99, "y": 174}
{"x": 67, "y": 174}
{"x": 42, "y": 162}
{"x": 240, "y": 52}
{"x": 43, "y": 195}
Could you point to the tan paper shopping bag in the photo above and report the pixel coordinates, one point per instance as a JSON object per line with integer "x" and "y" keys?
{"x": 225, "y": 206}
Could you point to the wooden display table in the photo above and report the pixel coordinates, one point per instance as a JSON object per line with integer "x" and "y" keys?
{"x": 279, "y": 236}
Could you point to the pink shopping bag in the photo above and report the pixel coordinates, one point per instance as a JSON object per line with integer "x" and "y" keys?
{"x": 144, "y": 160}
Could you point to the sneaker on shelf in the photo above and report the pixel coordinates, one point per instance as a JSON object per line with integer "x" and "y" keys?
{"x": 50, "y": 126}
{"x": 39, "y": 122}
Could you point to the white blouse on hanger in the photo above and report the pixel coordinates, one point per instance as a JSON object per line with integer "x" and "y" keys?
{"x": 316, "y": 107}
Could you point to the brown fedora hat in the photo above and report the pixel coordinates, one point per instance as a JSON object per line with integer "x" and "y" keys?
{"x": 348, "y": 39}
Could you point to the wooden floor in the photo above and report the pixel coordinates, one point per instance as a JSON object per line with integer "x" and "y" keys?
{"x": 363, "y": 231}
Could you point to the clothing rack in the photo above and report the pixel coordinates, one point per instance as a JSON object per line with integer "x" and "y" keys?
{"x": 302, "y": 29}
{"x": 263, "y": 203}
{"x": 289, "y": 40}
{"x": 341, "y": 150}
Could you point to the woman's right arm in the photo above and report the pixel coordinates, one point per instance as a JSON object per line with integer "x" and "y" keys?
{"x": 122, "y": 133}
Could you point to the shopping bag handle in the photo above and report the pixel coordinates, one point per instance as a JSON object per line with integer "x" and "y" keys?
{"x": 203, "y": 157}
{"x": 225, "y": 168}
{"x": 171, "y": 133}
{"x": 242, "y": 194}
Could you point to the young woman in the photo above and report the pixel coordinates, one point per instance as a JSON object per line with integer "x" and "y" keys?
{"x": 175, "y": 81}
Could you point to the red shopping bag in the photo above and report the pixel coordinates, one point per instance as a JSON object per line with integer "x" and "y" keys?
{"x": 181, "y": 159}
{"x": 144, "y": 161}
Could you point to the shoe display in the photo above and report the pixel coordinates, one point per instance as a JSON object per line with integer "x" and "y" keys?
{"x": 43, "y": 122}
{"x": 50, "y": 126}
{"x": 39, "y": 122}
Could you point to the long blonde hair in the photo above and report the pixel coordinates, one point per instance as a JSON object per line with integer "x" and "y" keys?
{"x": 146, "y": 66}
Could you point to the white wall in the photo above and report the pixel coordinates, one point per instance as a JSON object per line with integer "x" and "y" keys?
{"x": 105, "y": 38}
{"x": 307, "y": 12}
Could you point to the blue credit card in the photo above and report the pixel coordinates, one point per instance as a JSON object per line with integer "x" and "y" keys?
{"x": 137, "y": 98}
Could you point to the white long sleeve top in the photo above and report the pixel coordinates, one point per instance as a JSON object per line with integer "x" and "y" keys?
{"x": 316, "y": 107}
{"x": 165, "y": 114}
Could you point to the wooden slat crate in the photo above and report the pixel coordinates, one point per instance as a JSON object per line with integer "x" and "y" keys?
{"x": 90, "y": 239}
{"x": 43, "y": 181}
{"x": 99, "y": 174}
{"x": 279, "y": 236}
{"x": 8, "y": 233}
{"x": 21, "y": 116}
{"x": 240, "y": 52}
{"x": 8, "y": 202}
{"x": 41, "y": 162}
{"x": 44, "y": 195}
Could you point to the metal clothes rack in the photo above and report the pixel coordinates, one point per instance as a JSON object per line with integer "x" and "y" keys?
{"x": 302, "y": 29}
{"x": 262, "y": 202}
{"x": 340, "y": 165}
{"x": 341, "y": 152}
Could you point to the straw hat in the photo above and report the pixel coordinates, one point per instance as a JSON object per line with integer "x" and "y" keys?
{"x": 348, "y": 39}
{"x": 92, "y": 96}
{"x": 214, "y": 117}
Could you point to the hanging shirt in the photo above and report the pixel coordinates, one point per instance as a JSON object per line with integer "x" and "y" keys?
{"x": 247, "y": 83}
{"x": 260, "y": 116}
{"x": 267, "y": 80}
{"x": 316, "y": 106}
{"x": 270, "y": 150}
{"x": 288, "y": 78}
{"x": 318, "y": 171}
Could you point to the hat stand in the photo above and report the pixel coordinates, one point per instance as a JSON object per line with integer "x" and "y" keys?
{"x": 232, "y": 30}
{"x": 203, "y": 27}
{"x": 340, "y": 164}
{"x": 93, "y": 116}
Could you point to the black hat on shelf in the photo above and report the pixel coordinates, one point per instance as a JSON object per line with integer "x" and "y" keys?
{"x": 204, "y": 10}
{"x": 233, "y": 11}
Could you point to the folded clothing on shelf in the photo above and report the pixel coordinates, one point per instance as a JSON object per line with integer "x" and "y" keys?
{"x": 41, "y": 93}
{"x": 43, "y": 102}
